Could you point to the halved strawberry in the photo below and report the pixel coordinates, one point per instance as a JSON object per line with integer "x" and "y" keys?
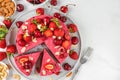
{"x": 49, "y": 66}
{"x": 27, "y": 38}
{"x": 67, "y": 36}
{"x": 48, "y": 33}
{"x": 52, "y": 26}
{"x": 72, "y": 28}
{"x": 40, "y": 11}
{"x": 21, "y": 42}
{"x": 59, "y": 32}
{"x": 73, "y": 54}
{"x": 19, "y": 36}
{"x": 2, "y": 43}
{"x": 2, "y": 55}
{"x": 32, "y": 27}
{"x": 66, "y": 44}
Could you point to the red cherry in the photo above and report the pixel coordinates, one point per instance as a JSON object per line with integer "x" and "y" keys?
{"x": 57, "y": 15}
{"x": 46, "y": 20}
{"x": 21, "y": 42}
{"x": 19, "y": 23}
{"x": 27, "y": 64}
{"x": 37, "y": 33}
{"x": 40, "y": 11}
{"x": 66, "y": 66}
{"x": 57, "y": 41}
{"x": 41, "y": 1}
{"x": 53, "y": 2}
{"x": 20, "y": 7}
{"x": 64, "y": 9}
{"x": 74, "y": 40}
{"x": 63, "y": 18}
{"x": 11, "y": 49}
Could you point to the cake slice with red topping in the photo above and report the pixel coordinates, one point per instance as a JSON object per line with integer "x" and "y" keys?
{"x": 25, "y": 63}
{"x": 49, "y": 66}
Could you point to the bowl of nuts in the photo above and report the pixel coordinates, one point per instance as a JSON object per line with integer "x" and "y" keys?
{"x": 4, "y": 71}
{"x": 7, "y": 8}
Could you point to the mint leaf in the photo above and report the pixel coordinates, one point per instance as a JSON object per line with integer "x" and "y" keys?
{"x": 55, "y": 20}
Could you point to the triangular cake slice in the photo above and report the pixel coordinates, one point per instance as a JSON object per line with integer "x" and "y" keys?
{"x": 25, "y": 63}
{"x": 49, "y": 66}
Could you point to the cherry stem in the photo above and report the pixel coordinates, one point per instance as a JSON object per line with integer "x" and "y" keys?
{"x": 71, "y": 4}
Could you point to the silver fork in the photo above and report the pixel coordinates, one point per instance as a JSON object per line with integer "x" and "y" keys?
{"x": 83, "y": 60}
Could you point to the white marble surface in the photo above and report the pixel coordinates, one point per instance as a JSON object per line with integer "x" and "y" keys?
{"x": 99, "y": 25}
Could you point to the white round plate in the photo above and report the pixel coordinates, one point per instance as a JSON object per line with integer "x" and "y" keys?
{"x": 11, "y": 38}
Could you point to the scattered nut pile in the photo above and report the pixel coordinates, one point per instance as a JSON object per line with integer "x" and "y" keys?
{"x": 7, "y": 8}
{"x": 3, "y": 71}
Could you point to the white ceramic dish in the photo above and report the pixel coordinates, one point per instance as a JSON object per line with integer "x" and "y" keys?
{"x": 6, "y": 70}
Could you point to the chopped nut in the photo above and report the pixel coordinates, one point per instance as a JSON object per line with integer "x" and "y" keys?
{"x": 48, "y": 60}
{"x": 24, "y": 27}
{"x": 69, "y": 74}
{"x": 34, "y": 40}
{"x": 16, "y": 76}
{"x": 8, "y": 65}
{"x": 23, "y": 49}
{"x": 57, "y": 53}
{"x": 43, "y": 72}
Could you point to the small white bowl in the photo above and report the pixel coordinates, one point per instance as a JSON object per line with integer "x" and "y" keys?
{"x": 6, "y": 70}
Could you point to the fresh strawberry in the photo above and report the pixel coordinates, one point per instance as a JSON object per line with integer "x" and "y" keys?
{"x": 52, "y": 26}
{"x": 20, "y": 36}
{"x": 21, "y": 42}
{"x": 32, "y": 27}
{"x": 27, "y": 38}
{"x": 73, "y": 55}
{"x": 11, "y": 49}
{"x": 2, "y": 55}
{"x": 72, "y": 28}
{"x": 7, "y": 22}
{"x": 2, "y": 43}
{"x": 59, "y": 32}
{"x": 48, "y": 33}
{"x": 67, "y": 36}
{"x": 49, "y": 66}
{"x": 38, "y": 20}
{"x": 66, "y": 44}
{"x": 40, "y": 11}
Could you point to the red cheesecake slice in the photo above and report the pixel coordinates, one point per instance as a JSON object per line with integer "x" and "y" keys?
{"x": 49, "y": 66}
{"x": 25, "y": 63}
